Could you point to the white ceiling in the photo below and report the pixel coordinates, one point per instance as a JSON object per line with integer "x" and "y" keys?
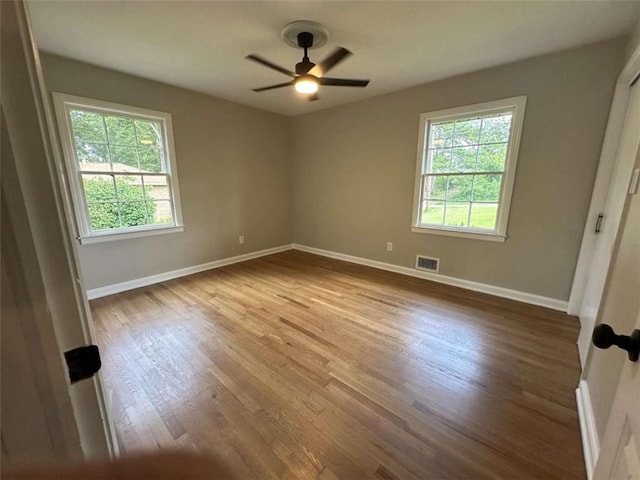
{"x": 201, "y": 45}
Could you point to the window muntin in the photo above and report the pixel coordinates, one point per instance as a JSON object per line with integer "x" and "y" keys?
{"x": 120, "y": 166}
{"x": 466, "y": 167}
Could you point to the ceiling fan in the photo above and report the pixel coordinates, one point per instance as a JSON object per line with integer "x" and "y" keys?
{"x": 308, "y": 76}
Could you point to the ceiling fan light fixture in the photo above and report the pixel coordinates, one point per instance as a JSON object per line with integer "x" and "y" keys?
{"x": 306, "y": 84}
{"x": 308, "y": 76}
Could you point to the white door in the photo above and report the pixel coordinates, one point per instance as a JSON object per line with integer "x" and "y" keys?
{"x": 619, "y": 457}
{"x": 606, "y": 241}
{"x": 52, "y": 314}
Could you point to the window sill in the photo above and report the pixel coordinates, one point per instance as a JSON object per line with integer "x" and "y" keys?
{"x": 489, "y": 237}
{"x": 120, "y": 235}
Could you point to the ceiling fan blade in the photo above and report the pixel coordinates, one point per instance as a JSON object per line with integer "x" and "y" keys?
{"x": 343, "y": 82}
{"x": 267, "y": 63}
{"x": 271, "y": 87}
{"x": 338, "y": 55}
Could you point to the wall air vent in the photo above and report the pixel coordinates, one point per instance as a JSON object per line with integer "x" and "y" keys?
{"x": 429, "y": 264}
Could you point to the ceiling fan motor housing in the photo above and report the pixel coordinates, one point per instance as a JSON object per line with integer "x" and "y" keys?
{"x": 304, "y": 66}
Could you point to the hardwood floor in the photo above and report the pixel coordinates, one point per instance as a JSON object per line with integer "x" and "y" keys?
{"x": 299, "y": 366}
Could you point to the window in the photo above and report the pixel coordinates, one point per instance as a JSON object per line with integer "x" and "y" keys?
{"x": 121, "y": 168}
{"x": 466, "y": 168}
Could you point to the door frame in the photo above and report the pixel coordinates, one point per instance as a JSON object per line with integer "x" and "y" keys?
{"x": 605, "y": 183}
{"x": 64, "y": 319}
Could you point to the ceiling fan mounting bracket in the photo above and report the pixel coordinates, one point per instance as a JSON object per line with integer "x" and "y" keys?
{"x": 305, "y": 40}
{"x": 291, "y": 31}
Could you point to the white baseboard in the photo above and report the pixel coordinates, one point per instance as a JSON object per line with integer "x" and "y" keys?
{"x": 435, "y": 277}
{"x": 162, "y": 277}
{"x": 457, "y": 282}
{"x": 588, "y": 430}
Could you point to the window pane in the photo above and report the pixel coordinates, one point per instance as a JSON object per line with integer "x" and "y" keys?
{"x": 93, "y": 156}
{"x": 149, "y": 133}
{"x": 103, "y": 216}
{"x": 456, "y": 214}
{"x": 99, "y": 188}
{"x": 491, "y": 158}
{"x": 160, "y": 212}
{"x": 120, "y": 130}
{"x": 441, "y": 135}
{"x": 156, "y": 187}
{"x": 496, "y": 128}
{"x": 459, "y": 188}
{"x": 463, "y": 159}
{"x": 438, "y": 161}
{"x": 483, "y": 215}
{"x": 435, "y": 187}
{"x": 433, "y": 212}
{"x": 486, "y": 188}
{"x": 151, "y": 159}
{"x": 133, "y": 213}
{"x": 123, "y": 165}
{"x": 124, "y": 159}
{"x": 130, "y": 187}
{"x": 467, "y": 132}
{"x": 87, "y": 127}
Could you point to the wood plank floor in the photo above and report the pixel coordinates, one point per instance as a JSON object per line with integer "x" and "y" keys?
{"x": 299, "y": 366}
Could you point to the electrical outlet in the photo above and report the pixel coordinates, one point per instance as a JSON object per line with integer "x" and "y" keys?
{"x": 241, "y": 239}
{"x": 389, "y": 246}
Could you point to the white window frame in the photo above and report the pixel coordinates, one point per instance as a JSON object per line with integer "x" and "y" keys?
{"x": 514, "y": 104}
{"x": 63, "y": 103}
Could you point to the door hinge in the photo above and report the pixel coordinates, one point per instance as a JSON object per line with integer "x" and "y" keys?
{"x": 83, "y": 362}
{"x": 599, "y": 222}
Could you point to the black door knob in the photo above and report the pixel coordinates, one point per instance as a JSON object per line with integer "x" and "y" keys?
{"x": 604, "y": 336}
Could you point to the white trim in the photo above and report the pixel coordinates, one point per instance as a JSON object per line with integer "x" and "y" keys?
{"x": 632, "y": 69}
{"x": 588, "y": 429}
{"x": 125, "y": 235}
{"x": 102, "y": 106}
{"x": 467, "y": 233}
{"x": 603, "y": 177}
{"x": 62, "y": 102}
{"x": 90, "y": 417}
{"x": 606, "y": 165}
{"x": 599, "y": 193}
{"x": 524, "y": 297}
{"x": 163, "y": 277}
{"x": 608, "y": 177}
{"x": 516, "y": 105}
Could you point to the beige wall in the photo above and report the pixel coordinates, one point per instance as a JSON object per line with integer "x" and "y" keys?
{"x": 345, "y": 175}
{"x": 354, "y": 167}
{"x": 234, "y": 172}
